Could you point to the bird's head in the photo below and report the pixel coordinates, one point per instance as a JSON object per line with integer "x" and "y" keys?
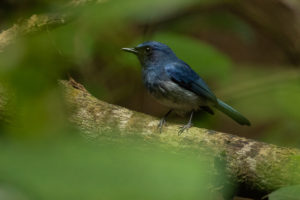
{"x": 152, "y": 52}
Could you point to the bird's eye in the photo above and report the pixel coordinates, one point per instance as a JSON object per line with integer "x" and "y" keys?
{"x": 148, "y": 49}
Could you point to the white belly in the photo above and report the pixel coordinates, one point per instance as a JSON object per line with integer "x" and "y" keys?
{"x": 173, "y": 96}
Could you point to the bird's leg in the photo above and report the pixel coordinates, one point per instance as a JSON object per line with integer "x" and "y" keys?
{"x": 163, "y": 120}
{"x": 187, "y": 126}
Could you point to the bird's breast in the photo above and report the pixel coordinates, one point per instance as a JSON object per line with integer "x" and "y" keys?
{"x": 168, "y": 93}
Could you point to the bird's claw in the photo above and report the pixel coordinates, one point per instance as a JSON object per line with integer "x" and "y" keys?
{"x": 161, "y": 124}
{"x": 185, "y": 127}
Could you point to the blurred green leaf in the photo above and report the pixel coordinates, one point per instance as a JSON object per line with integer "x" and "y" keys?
{"x": 71, "y": 169}
{"x": 288, "y": 98}
{"x": 286, "y": 193}
{"x": 227, "y": 23}
{"x": 137, "y": 10}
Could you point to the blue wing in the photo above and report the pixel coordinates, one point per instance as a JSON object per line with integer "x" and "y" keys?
{"x": 185, "y": 77}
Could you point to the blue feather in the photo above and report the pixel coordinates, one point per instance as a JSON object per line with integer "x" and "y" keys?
{"x": 232, "y": 113}
{"x": 185, "y": 77}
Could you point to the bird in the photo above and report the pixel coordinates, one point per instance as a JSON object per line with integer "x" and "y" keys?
{"x": 174, "y": 84}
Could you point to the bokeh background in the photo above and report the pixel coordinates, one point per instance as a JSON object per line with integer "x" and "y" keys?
{"x": 247, "y": 52}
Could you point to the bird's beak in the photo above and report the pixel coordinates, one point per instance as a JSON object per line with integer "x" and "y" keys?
{"x": 131, "y": 50}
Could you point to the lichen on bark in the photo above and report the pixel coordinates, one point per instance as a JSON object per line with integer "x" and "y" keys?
{"x": 256, "y": 166}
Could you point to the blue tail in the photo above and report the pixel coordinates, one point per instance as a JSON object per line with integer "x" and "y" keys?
{"x": 232, "y": 113}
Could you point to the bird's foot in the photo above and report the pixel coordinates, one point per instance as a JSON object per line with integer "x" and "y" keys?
{"x": 161, "y": 124}
{"x": 185, "y": 127}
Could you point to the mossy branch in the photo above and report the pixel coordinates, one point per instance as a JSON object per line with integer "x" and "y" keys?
{"x": 255, "y": 166}
{"x": 38, "y": 22}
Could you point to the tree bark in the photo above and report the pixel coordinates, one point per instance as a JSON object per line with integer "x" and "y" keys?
{"x": 258, "y": 168}
{"x": 279, "y": 20}
{"x": 40, "y": 22}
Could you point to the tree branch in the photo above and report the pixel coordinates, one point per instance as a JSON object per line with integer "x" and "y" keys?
{"x": 279, "y": 20}
{"x": 40, "y": 22}
{"x": 257, "y": 167}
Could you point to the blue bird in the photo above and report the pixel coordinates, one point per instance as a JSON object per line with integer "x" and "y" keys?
{"x": 174, "y": 84}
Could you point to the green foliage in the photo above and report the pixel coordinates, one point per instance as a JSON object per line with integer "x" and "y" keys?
{"x": 286, "y": 193}
{"x": 72, "y": 169}
{"x": 287, "y": 97}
